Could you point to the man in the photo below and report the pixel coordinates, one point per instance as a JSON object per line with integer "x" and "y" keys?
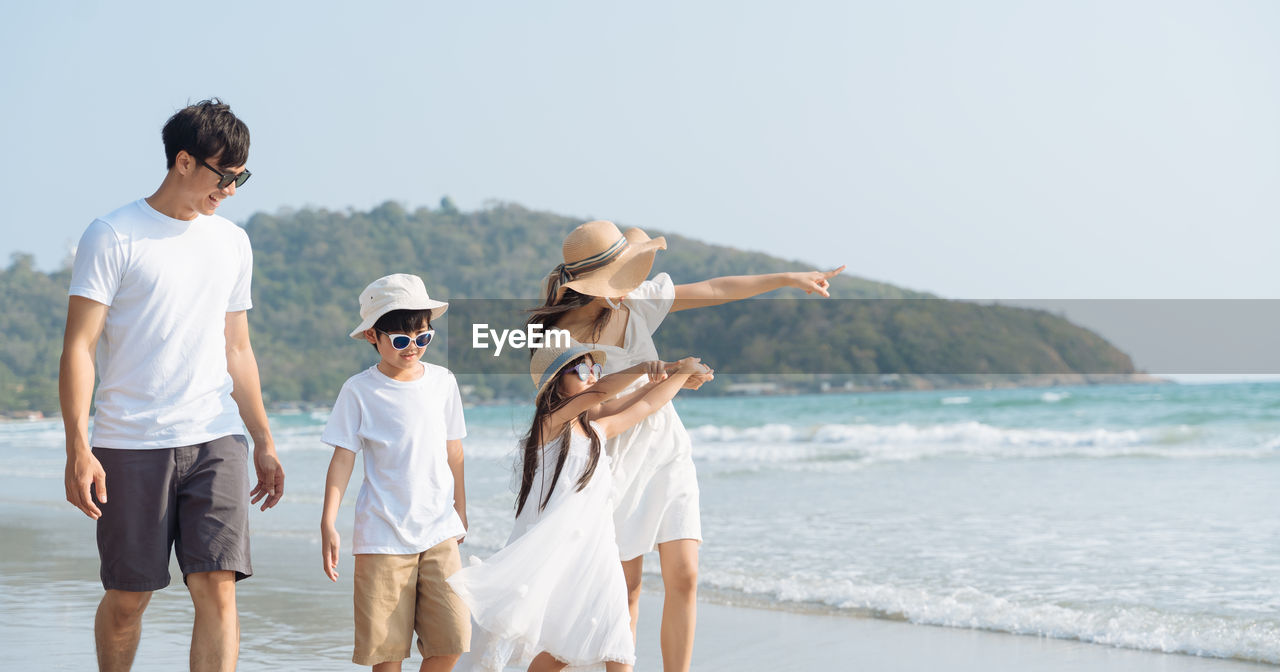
{"x": 159, "y": 291}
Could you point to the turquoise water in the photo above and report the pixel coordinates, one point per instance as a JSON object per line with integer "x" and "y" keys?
{"x": 1134, "y": 516}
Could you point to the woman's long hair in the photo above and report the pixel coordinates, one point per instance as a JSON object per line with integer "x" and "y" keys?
{"x": 535, "y": 444}
{"x": 551, "y": 311}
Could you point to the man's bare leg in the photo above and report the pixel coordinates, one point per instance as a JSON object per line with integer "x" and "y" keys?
{"x": 118, "y": 627}
{"x": 215, "y": 638}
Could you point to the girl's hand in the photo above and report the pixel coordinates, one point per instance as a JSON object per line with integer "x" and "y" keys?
{"x": 656, "y": 370}
{"x": 699, "y": 379}
{"x": 330, "y": 542}
{"x": 690, "y": 365}
{"x": 814, "y": 281}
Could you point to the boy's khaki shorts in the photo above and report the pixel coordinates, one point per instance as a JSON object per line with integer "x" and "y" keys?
{"x": 397, "y": 595}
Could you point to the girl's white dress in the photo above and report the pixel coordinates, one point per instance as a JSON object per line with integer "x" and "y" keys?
{"x": 556, "y": 585}
{"x": 655, "y": 483}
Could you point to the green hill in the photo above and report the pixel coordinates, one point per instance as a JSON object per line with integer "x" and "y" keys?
{"x": 311, "y": 264}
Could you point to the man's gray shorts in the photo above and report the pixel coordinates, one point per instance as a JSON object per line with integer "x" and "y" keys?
{"x": 192, "y": 498}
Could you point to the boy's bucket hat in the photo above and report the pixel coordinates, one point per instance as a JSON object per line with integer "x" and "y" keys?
{"x": 548, "y": 362}
{"x": 599, "y": 260}
{"x": 400, "y": 291}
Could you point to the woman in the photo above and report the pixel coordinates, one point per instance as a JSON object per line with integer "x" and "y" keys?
{"x": 600, "y": 295}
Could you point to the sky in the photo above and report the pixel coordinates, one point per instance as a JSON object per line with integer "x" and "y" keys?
{"x": 978, "y": 150}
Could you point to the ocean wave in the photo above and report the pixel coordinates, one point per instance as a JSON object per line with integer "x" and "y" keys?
{"x": 1126, "y": 626}
{"x": 902, "y": 442}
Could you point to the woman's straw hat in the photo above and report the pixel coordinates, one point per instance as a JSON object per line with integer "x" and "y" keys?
{"x": 549, "y": 361}
{"x": 599, "y": 260}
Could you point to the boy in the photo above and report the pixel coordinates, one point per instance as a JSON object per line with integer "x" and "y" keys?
{"x": 406, "y": 416}
{"x": 158, "y": 292}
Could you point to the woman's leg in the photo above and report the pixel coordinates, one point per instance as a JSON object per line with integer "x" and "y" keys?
{"x": 631, "y": 569}
{"x": 680, "y": 603}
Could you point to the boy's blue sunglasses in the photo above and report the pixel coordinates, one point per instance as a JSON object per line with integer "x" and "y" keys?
{"x": 585, "y": 370}
{"x": 402, "y": 341}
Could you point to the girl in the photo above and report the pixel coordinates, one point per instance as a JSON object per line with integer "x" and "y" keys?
{"x": 555, "y": 594}
{"x": 600, "y": 295}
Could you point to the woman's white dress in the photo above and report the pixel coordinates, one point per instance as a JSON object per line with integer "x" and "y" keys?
{"x": 556, "y": 585}
{"x": 655, "y": 483}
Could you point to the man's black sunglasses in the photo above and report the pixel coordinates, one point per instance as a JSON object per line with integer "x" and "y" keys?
{"x": 227, "y": 178}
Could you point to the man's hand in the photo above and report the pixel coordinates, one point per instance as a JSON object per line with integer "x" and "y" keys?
{"x": 270, "y": 487}
{"x": 84, "y": 470}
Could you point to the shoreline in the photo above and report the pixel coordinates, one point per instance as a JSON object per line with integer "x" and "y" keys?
{"x": 49, "y": 558}
{"x": 746, "y": 638}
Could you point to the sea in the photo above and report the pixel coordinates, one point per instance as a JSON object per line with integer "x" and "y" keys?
{"x": 1134, "y": 516}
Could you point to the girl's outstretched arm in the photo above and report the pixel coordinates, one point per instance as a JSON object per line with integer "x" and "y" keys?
{"x": 605, "y": 390}
{"x": 654, "y": 398}
{"x": 620, "y": 404}
{"x": 716, "y": 291}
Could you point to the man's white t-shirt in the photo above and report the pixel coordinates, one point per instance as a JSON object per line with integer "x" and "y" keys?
{"x": 406, "y": 501}
{"x": 161, "y": 360}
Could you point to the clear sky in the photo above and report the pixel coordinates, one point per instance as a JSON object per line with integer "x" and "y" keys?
{"x": 984, "y": 149}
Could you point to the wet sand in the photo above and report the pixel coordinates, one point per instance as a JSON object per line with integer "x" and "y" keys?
{"x": 294, "y": 618}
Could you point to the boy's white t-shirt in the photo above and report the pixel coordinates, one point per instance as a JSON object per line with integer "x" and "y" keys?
{"x": 161, "y": 360}
{"x": 406, "y": 501}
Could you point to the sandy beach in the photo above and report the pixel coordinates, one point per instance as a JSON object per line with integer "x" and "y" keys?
{"x": 292, "y": 617}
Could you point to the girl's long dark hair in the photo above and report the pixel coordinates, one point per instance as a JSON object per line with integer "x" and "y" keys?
{"x": 550, "y": 312}
{"x": 534, "y": 447}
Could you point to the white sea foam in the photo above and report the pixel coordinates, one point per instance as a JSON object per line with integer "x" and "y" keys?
{"x": 956, "y": 401}
{"x": 904, "y": 442}
{"x": 1127, "y": 626}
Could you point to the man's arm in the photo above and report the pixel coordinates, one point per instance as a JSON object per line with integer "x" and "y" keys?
{"x": 247, "y": 393}
{"x": 459, "y": 483}
{"x": 85, "y": 321}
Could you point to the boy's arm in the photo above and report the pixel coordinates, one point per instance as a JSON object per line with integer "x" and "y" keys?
{"x": 716, "y": 291}
{"x": 335, "y": 486}
{"x": 459, "y": 484}
{"x": 247, "y": 393}
{"x": 85, "y": 320}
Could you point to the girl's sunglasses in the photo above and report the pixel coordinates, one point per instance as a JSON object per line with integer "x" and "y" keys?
{"x": 584, "y": 370}
{"x": 401, "y": 341}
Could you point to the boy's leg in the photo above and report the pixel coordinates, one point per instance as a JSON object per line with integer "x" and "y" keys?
{"x": 680, "y": 602}
{"x": 632, "y": 569}
{"x": 215, "y": 637}
{"x": 442, "y": 621}
{"x": 439, "y": 663}
{"x": 384, "y": 597}
{"x": 118, "y": 627}
{"x": 135, "y": 533}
